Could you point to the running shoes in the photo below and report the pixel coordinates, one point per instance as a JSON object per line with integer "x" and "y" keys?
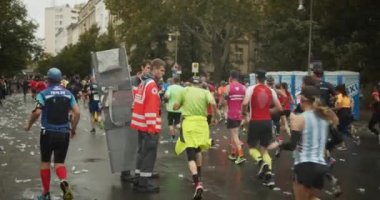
{"x": 232, "y": 157}
{"x": 67, "y": 193}
{"x": 264, "y": 168}
{"x": 44, "y": 197}
{"x": 198, "y": 191}
{"x": 240, "y": 160}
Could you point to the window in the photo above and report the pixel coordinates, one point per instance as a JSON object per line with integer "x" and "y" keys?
{"x": 239, "y": 54}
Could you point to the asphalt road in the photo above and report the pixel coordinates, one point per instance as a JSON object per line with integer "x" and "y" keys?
{"x": 89, "y": 172}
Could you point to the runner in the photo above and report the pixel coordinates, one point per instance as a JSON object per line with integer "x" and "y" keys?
{"x": 260, "y": 97}
{"x": 93, "y": 91}
{"x": 308, "y": 141}
{"x": 276, "y": 117}
{"x": 375, "y": 119}
{"x": 343, "y": 107}
{"x": 64, "y": 81}
{"x": 84, "y": 85}
{"x": 40, "y": 85}
{"x": 2, "y": 90}
{"x": 222, "y": 106}
{"x": 327, "y": 90}
{"x": 25, "y": 86}
{"x": 286, "y": 99}
{"x": 74, "y": 86}
{"x": 195, "y": 135}
{"x": 234, "y": 94}
{"x": 54, "y": 104}
{"x": 210, "y": 87}
{"x": 32, "y": 85}
{"x": 147, "y": 121}
{"x": 174, "y": 116}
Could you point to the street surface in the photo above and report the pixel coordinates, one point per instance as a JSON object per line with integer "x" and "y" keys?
{"x": 89, "y": 172}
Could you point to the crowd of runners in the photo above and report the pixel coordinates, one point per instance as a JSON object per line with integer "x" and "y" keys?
{"x": 264, "y": 116}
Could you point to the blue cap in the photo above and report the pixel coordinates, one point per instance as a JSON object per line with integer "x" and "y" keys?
{"x": 54, "y": 74}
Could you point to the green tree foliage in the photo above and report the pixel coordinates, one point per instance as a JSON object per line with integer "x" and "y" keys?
{"x": 282, "y": 36}
{"x": 345, "y": 36}
{"x": 17, "y": 42}
{"x": 76, "y": 59}
{"x": 350, "y": 35}
{"x": 212, "y": 25}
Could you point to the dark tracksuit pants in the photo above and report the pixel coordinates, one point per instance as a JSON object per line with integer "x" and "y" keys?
{"x": 375, "y": 119}
{"x": 147, "y": 153}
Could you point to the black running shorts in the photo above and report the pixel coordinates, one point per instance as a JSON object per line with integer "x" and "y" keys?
{"x": 54, "y": 142}
{"x": 174, "y": 118}
{"x": 260, "y": 132}
{"x": 286, "y": 113}
{"x": 209, "y": 118}
{"x": 310, "y": 174}
{"x": 231, "y": 123}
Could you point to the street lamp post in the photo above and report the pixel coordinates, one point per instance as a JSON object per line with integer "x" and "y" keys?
{"x": 176, "y": 35}
{"x": 301, "y": 7}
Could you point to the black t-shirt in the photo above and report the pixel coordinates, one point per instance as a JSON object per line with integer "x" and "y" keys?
{"x": 327, "y": 92}
{"x": 74, "y": 87}
{"x": 94, "y": 92}
{"x": 25, "y": 85}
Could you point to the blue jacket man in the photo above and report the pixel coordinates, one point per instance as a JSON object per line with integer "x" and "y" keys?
{"x": 54, "y": 104}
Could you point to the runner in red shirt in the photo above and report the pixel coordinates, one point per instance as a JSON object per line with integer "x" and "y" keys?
{"x": 212, "y": 89}
{"x": 286, "y": 100}
{"x": 375, "y": 119}
{"x": 260, "y": 98}
{"x": 40, "y": 85}
{"x": 32, "y": 85}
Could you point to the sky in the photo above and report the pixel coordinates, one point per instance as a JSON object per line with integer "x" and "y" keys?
{"x": 36, "y": 11}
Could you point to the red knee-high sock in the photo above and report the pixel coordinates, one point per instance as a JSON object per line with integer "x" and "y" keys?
{"x": 45, "y": 178}
{"x": 61, "y": 173}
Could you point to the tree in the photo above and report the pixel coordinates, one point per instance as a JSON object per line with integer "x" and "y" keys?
{"x": 350, "y": 39}
{"x": 345, "y": 36}
{"x": 214, "y": 23}
{"x": 18, "y": 45}
{"x": 76, "y": 59}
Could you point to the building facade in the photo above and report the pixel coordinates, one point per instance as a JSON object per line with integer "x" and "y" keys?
{"x": 60, "y": 31}
{"x": 87, "y": 16}
{"x": 56, "y": 20}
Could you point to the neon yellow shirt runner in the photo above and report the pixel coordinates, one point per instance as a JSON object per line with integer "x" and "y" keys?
{"x": 173, "y": 92}
{"x": 194, "y": 101}
{"x": 195, "y": 130}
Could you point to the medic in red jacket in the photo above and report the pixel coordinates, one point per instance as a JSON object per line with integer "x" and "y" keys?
{"x": 146, "y": 107}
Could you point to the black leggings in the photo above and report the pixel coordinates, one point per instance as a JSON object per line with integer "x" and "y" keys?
{"x": 191, "y": 153}
{"x": 336, "y": 138}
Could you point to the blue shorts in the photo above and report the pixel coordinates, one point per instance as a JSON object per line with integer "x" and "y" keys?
{"x": 94, "y": 106}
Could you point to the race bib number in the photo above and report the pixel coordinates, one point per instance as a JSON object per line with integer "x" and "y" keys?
{"x": 96, "y": 97}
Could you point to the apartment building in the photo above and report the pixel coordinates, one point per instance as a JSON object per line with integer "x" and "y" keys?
{"x": 57, "y": 18}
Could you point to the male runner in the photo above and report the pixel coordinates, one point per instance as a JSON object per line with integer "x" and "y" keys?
{"x": 54, "y": 104}
{"x": 234, "y": 94}
{"x": 260, "y": 98}
{"x": 93, "y": 91}
{"x": 195, "y": 135}
{"x": 375, "y": 119}
{"x": 174, "y": 116}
